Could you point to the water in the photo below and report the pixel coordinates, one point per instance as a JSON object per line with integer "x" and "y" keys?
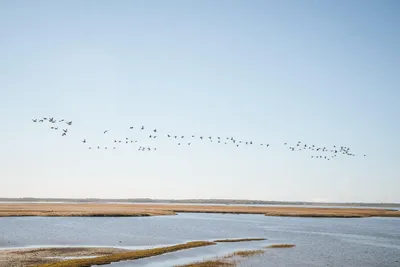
{"x": 319, "y": 241}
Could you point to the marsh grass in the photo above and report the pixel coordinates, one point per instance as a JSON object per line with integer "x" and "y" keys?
{"x": 209, "y": 263}
{"x": 239, "y": 240}
{"x": 281, "y": 246}
{"x": 247, "y": 253}
{"x": 120, "y": 210}
{"x": 131, "y": 255}
{"x": 226, "y": 261}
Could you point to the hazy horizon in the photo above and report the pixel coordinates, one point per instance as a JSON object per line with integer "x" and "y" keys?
{"x": 199, "y": 199}
{"x": 320, "y": 72}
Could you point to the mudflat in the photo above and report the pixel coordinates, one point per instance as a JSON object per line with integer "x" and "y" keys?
{"x": 115, "y": 210}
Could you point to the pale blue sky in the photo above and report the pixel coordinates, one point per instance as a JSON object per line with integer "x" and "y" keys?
{"x": 323, "y": 72}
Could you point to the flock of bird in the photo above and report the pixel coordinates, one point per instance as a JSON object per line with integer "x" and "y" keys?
{"x": 54, "y": 122}
{"x": 318, "y": 152}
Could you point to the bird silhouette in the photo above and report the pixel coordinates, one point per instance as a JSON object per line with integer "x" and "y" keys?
{"x": 105, "y": 131}
{"x": 69, "y": 122}
{"x": 34, "y": 120}
{"x": 84, "y": 141}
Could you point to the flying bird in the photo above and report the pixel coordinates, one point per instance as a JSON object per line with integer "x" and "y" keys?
{"x": 34, "y": 120}
{"x": 105, "y": 131}
{"x": 69, "y": 122}
{"x": 84, "y": 141}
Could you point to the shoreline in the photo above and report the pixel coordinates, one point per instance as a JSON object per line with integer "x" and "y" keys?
{"x": 144, "y": 210}
{"x": 88, "y": 256}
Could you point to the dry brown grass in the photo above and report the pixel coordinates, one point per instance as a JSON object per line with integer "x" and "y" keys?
{"x": 131, "y": 255}
{"x": 238, "y": 240}
{"x": 84, "y": 210}
{"x": 209, "y": 263}
{"x": 32, "y": 256}
{"x": 96, "y": 209}
{"x": 247, "y": 253}
{"x": 281, "y": 246}
{"x": 227, "y": 261}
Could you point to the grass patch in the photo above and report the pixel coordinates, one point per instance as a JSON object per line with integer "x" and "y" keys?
{"x": 227, "y": 261}
{"x": 209, "y": 263}
{"x": 247, "y": 253}
{"x": 281, "y": 246}
{"x": 239, "y": 240}
{"x": 131, "y": 255}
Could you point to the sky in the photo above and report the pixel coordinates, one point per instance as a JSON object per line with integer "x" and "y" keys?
{"x": 320, "y": 72}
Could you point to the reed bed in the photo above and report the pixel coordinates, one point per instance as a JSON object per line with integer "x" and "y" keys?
{"x": 239, "y": 240}
{"x": 132, "y": 255}
{"x": 281, "y": 246}
{"x": 114, "y": 210}
{"x": 247, "y": 253}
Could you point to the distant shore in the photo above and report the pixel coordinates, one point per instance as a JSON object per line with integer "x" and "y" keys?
{"x": 131, "y": 210}
{"x": 197, "y": 201}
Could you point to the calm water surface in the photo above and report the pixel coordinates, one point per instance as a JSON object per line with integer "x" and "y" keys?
{"x": 319, "y": 241}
